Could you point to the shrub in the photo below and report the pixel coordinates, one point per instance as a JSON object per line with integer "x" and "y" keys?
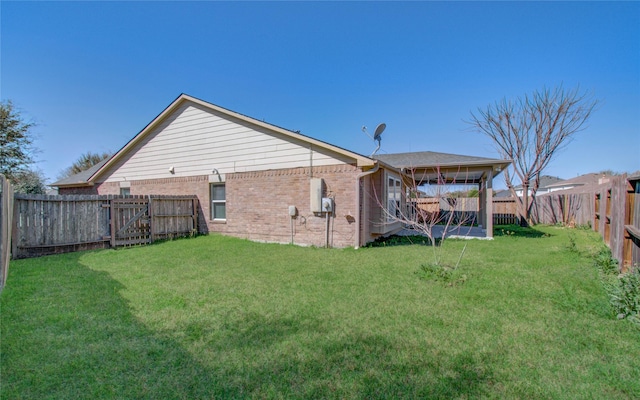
{"x": 449, "y": 276}
{"x": 625, "y": 296}
{"x": 623, "y": 289}
{"x": 572, "y": 247}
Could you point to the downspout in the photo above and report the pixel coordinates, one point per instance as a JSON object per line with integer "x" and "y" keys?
{"x": 358, "y": 177}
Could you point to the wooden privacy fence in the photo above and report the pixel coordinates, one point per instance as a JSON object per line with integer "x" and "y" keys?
{"x": 467, "y": 208}
{"x": 617, "y": 218}
{"x": 568, "y": 209}
{"x": 611, "y": 208}
{"x": 504, "y": 211}
{"x": 57, "y": 224}
{"x": 6, "y": 208}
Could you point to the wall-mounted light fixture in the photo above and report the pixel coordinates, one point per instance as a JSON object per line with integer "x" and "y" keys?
{"x": 172, "y": 170}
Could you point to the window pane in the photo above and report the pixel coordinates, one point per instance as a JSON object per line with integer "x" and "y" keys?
{"x": 219, "y": 211}
{"x": 217, "y": 192}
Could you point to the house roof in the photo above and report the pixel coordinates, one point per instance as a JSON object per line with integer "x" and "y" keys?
{"x": 430, "y": 166}
{"x": 587, "y": 183}
{"x": 501, "y": 194}
{"x": 81, "y": 178}
{"x": 432, "y": 158}
{"x": 93, "y": 175}
{"x": 586, "y": 179}
{"x": 545, "y": 182}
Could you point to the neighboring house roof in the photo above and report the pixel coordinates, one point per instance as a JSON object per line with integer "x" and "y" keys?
{"x": 586, "y": 183}
{"x": 81, "y": 178}
{"x": 545, "y": 182}
{"x": 432, "y": 166}
{"x": 502, "y": 194}
{"x": 579, "y": 184}
{"x": 586, "y": 179}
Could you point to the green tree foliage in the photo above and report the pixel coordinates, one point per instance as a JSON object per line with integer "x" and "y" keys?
{"x": 16, "y": 142}
{"x": 83, "y": 163}
{"x": 29, "y": 182}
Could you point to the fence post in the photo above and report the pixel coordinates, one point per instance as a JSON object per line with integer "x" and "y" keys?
{"x": 6, "y": 225}
{"x": 112, "y": 222}
{"x": 150, "y": 214}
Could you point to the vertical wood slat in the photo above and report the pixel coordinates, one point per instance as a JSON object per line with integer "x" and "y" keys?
{"x": 112, "y": 223}
{"x": 6, "y": 225}
{"x": 150, "y": 213}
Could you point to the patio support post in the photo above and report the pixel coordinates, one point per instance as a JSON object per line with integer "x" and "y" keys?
{"x": 358, "y": 205}
{"x": 481, "y": 204}
{"x": 488, "y": 193}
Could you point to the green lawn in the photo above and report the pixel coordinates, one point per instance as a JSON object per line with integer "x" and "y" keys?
{"x": 217, "y": 317}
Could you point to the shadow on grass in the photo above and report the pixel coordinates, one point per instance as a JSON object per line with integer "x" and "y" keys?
{"x": 68, "y": 333}
{"x": 317, "y": 364}
{"x": 518, "y": 231}
{"x": 405, "y": 240}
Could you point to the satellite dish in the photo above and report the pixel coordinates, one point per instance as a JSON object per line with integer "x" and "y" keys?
{"x": 378, "y": 133}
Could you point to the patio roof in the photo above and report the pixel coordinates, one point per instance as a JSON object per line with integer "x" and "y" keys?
{"x": 429, "y": 167}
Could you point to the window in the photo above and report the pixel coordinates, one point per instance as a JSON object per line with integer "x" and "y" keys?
{"x": 218, "y": 201}
{"x": 125, "y": 191}
{"x": 394, "y": 193}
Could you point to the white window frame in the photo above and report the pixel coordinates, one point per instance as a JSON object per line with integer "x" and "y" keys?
{"x": 393, "y": 184}
{"x": 214, "y": 202}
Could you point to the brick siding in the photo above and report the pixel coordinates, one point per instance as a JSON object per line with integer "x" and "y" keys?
{"x": 258, "y": 205}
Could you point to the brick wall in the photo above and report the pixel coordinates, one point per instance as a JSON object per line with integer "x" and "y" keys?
{"x": 78, "y": 190}
{"x": 258, "y": 205}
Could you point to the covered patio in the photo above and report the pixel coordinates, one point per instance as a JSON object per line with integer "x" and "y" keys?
{"x": 432, "y": 168}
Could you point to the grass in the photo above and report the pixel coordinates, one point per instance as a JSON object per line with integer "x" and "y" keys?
{"x": 217, "y": 317}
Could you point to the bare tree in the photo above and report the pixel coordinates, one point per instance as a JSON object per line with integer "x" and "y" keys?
{"x": 426, "y": 206}
{"x": 530, "y": 130}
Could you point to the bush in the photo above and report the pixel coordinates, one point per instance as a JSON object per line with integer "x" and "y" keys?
{"x": 605, "y": 262}
{"x": 625, "y": 296}
{"x": 449, "y": 276}
{"x": 572, "y": 247}
{"x": 623, "y": 289}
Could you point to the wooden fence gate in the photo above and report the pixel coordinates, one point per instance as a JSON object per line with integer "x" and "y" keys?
{"x": 130, "y": 221}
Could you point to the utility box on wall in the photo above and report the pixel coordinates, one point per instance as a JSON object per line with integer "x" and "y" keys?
{"x": 316, "y": 190}
{"x": 327, "y": 204}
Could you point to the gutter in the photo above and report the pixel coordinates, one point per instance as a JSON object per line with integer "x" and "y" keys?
{"x": 358, "y": 177}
